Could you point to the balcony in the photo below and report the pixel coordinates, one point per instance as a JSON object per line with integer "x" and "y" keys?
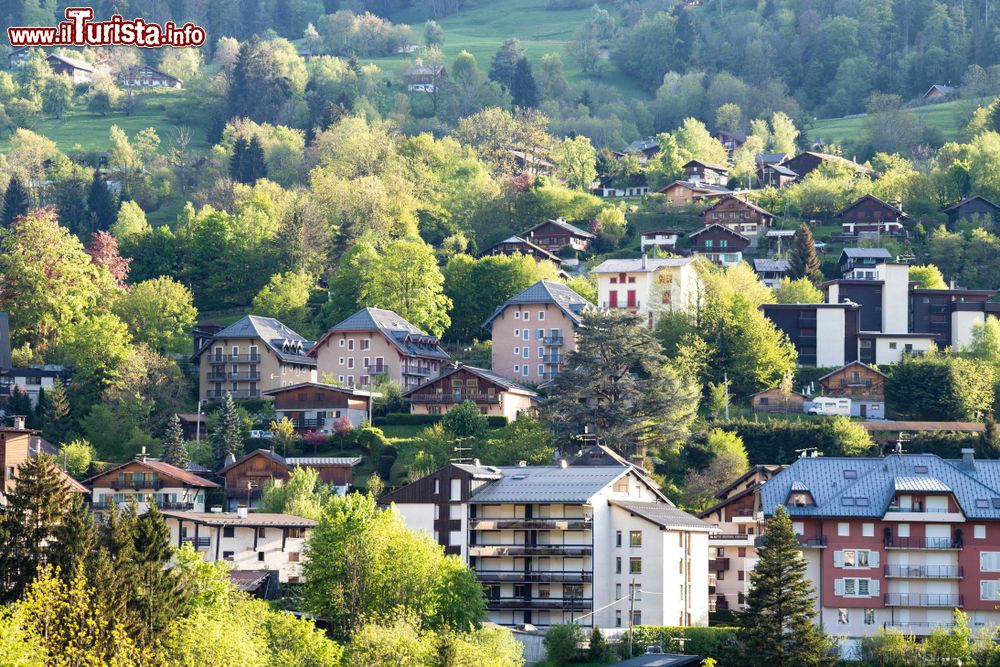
{"x": 718, "y": 565}
{"x": 137, "y": 484}
{"x": 237, "y": 395}
{"x": 551, "y": 359}
{"x": 867, "y": 384}
{"x": 501, "y": 550}
{"x": 234, "y": 359}
{"x": 922, "y": 600}
{"x": 552, "y": 523}
{"x": 534, "y": 576}
{"x": 197, "y": 542}
{"x": 417, "y": 370}
{"x": 742, "y": 539}
{"x": 175, "y": 505}
{"x": 458, "y": 398}
{"x": 558, "y": 604}
{"x": 923, "y": 571}
{"x": 223, "y": 377}
{"x": 102, "y": 505}
{"x": 922, "y": 543}
{"x": 553, "y": 340}
{"x": 311, "y": 423}
{"x": 377, "y": 369}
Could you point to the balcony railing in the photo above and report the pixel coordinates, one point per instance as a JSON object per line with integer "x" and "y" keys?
{"x": 552, "y": 340}
{"x": 551, "y": 358}
{"x": 565, "y": 604}
{"x": 922, "y": 600}
{"x": 454, "y": 398}
{"x": 197, "y": 542}
{"x": 501, "y": 550}
{"x": 534, "y": 576}
{"x": 923, "y": 571}
{"x": 377, "y": 369}
{"x": 234, "y": 358}
{"x": 137, "y": 484}
{"x": 561, "y": 523}
{"x": 919, "y": 510}
{"x": 740, "y": 537}
{"x": 718, "y": 565}
{"x": 922, "y": 543}
{"x": 308, "y": 423}
{"x": 222, "y": 377}
{"x": 857, "y": 383}
{"x": 416, "y": 370}
{"x": 238, "y": 394}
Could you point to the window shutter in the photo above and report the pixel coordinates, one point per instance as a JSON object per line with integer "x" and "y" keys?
{"x": 873, "y": 558}
{"x": 838, "y": 558}
{"x": 838, "y": 586}
{"x": 874, "y": 588}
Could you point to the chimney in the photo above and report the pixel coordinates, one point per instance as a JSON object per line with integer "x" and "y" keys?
{"x": 242, "y": 512}
{"x": 563, "y": 464}
{"x": 141, "y": 456}
{"x": 645, "y": 261}
{"x": 522, "y": 464}
{"x": 19, "y": 422}
{"x": 969, "y": 459}
{"x": 476, "y": 463}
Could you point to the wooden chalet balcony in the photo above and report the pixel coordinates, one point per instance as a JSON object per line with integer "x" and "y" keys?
{"x": 238, "y": 394}
{"x": 923, "y": 571}
{"x": 922, "y": 600}
{"x": 564, "y": 604}
{"x": 866, "y": 383}
{"x": 197, "y": 542}
{"x": 502, "y": 550}
{"x": 136, "y": 484}
{"x": 429, "y": 397}
{"x": 922, "y": 543}
{"x": 534, "y": 576}
{"x": 531, "y": 524}
{"x": 234, "y": 358}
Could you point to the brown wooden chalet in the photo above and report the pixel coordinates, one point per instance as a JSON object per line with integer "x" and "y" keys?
{"x": 246, "y": 477}
{"x": 774, "y": 401}
{"x": 871, "y": 215}
{"x": 515, "y": 244}
{"x": 79, "y": 71}
{"x": 493, "y": 394}
{"x": 804, "y": 163}
{"x": 553, "y": 235}
{"x": 149, "y": 481}
{"x": 18, "y": 445}
{"x": 706, "y": 172}
{"x": 315, "y": 405}
{"x": 738, "y": 215}
{"x": 144, "y": 76}
{"x": 970, "y": 208}
{"x": 774, "y": 175}
{"x": 720, "y": 244}
{"x": 683, "y": 193}
{"x": 856, "y": 381}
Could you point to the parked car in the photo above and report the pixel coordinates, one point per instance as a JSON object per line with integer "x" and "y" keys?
{"x": 827, "y": 405}
{"x": 263, "y": 435}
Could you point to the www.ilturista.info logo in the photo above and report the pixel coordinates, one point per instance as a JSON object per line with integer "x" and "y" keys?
{"x": 80, "y": 30}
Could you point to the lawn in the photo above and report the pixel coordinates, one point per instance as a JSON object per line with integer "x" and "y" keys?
{"x": 949, "y": 117}
{"x": 481, "y": 30}
{"x": 89, "y": 130}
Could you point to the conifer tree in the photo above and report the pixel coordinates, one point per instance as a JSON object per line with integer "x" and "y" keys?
{"x": 19, "y": 403}
{"x": 157, "y": 592}
{"x": 56, "y": 424}
{"x": 777, "y": 628}
{"x": 35, "y": 508}
{"x": 114, "y": 569}
{"x": 229, "y": 431}
{"x": 254, "y": 165}
{"x": 174, "y": 451}
{"x": 101, "y": 203}
{"x": 802, "y": 256}
{"x": 37, "y": 418}
{"x": 16, "y": 201}
{"x": 523, "y": 90}
{"x": 77, "y": 537}
{"x": 236, "y": 161}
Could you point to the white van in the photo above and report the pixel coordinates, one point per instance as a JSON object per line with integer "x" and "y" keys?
{"x": 830, "y": 406}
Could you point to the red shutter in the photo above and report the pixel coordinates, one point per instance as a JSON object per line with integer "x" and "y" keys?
{"x": 612, "y": 299}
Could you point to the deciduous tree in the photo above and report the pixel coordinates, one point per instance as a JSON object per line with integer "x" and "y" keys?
{"x": 159, "y": 312}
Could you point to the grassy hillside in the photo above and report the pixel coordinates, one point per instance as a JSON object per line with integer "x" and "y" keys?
{"x": 89, "y": 131}
{"x": 949, "y": 117}
{"x": 481, "y": 30}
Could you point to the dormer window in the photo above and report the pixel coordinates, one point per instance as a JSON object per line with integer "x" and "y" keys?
{"x": 850, "y": 474}
{"x": 801, "y": 499}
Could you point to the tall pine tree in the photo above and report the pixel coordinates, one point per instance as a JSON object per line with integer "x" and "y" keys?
{"x": 505, "y": 62}
{"x": 157, "y": 593}
{"x": 76, "y": 536}
{"x": 802, "y": 256}
{"x": 57, "y": 420}
{"x": 228, "y": 438}
{"x": 101, "y": 203}
{"x": 16, "y": 201}
{"x": 236, "y": 161}
{"x": 19, "y": 403}
{"x": 777, "y": 627}
{"x": 36, "y": 506}
{"x": 174, "y": 451}
{"x": 41, "y": 405}
{"x": 523, "y": 90}
{"x": 255, "y": 166}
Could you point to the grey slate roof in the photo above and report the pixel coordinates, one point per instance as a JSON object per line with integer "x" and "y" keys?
{"x": 636, "y": 265}
{"x": 877, "y": 253}
{"x": 970, "y": 199}
{"x": 665, "y": 515}
{"x": 273, "y": 333}
{"x": 559, "y": 222}
{"x": 870, "y": 488}
{"x": 780, "y": 265}
{"x": 781, "y": 169}
{"x": 548, "y": 484}
{"x": 771, "y": 158}
{"x": 642, "y": 145}
{"x": 401, "y": 333}
{"x": 546, "y": 291}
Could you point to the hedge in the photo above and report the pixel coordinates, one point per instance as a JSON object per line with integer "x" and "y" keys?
{"x": 406, "y": 419}
{"x": 708, "y": 642}
{"x": 495, "y": 422}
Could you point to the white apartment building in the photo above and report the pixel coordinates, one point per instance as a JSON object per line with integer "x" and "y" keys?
{"x": 249, "y": 541}
{"x": 648, "y": 286}
{"x": 567, "y": 543}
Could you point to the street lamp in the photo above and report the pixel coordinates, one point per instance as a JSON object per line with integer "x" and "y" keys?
{"x": 250, "y": 486}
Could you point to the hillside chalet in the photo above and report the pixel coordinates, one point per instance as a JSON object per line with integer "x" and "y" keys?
{"x": 738, "y": 215}
{"x": 871, "y": 215}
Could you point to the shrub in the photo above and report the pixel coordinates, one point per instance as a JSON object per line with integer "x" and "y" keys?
{"x": 404, "y": 419}
{"x": 496, "y": 421}
{"x": 713, "y": 642}
{"x": 562, "y": 643}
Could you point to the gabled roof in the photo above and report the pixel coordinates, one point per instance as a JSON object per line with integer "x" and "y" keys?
{"x": 708, "y": 165}
{"x": 880, "y": 202}
{"x": 72, "y": 62}
{"x": 848, "y": 365}
{"x": 360, "y": 393}
{"x": 663, "y": 232}
{"x": 741, "y": 200}
{"x": 771, "y": 158}
{"x": 187, "y": 478}
{"x": 559, "y": 222}
{"x": 640, "y": 265}
{"x": 536, "y": 249}
{"x": 548, "y": 484}
{"x": 735, "y": 136}
{"x": 403, "y": 335}
{"x": 723, "y": 227}
{"x": 827, "y": 157}
{"x": 287, "y": 344}
{"x": 489, "y": 376}
{"x": 277, "y": 458}
{"x": 764, "y": 391}
{"x": 970, "y": 199}
{"x": 292, "y": 461}
{"x": 132, "y": 71}
{"x": 545, "y": 291}
{"x": 941, "y": 88}
{"x": 761, "y": 265}
{"x": 642, "y": 145}
{"x": 705, "y": 189}
{"x": 665, "y": 515}
{"x": 779, "y": 169}
{"x": 861, "y": 253}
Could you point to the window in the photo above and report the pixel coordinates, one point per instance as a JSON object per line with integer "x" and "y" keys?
{"x": 635, "y": 566}
{"x": 227, "y": 555}
{"x": 350, "y": 362}
{"x": 525, "y": 336}
{"x": 260, "y": 556}
{"x": 618, "y": 538}
{"x": 741, "y": 552}
{"x": 618, "y": 565}
{"x": 635, "y": 538}
{"x": 979, "y": 532}
{"x": 517, "y": 333}
{"x": 350, "y": 344}
{"x": 341, "y": 361}
{"x": 526, "y": 370}
{"x": 293, "y": 556}
{"x": 892, "y": 345}
{"x": 517, "y": 368}
{"x": 541, "y": 316}
{"x": 456, "y": 489}
{"x": 295, "y": 533}
{"x": 618, "y": 618}
{"x": 989, "y": 590}
{"x": 741, "y": 574}
{"x": 517, "y": 314}
{"x": 541, "y": 369}
{"x": 869, "y": 617}
{"x": 366, "y": 344}
{"x": 637, "y": 617}
{"x": 856, "y": 587}
{"x": 261, "y": 533}
{"x": 527, "y": 316}
{"x": 541, "y": 353}
{"x": 517, "y": 351}
{"x": 229, "y": 531}
{"x": 989, "y": 561}
{"x": 868, "y": 529}
{"x": 843, "y": 616}
{"x": 843, "y": 529}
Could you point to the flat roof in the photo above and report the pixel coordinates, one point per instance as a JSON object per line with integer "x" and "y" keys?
{"x": 253, "y": 519}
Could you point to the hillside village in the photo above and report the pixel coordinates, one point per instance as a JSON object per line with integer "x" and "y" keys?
{"x": 319, "y": 346}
